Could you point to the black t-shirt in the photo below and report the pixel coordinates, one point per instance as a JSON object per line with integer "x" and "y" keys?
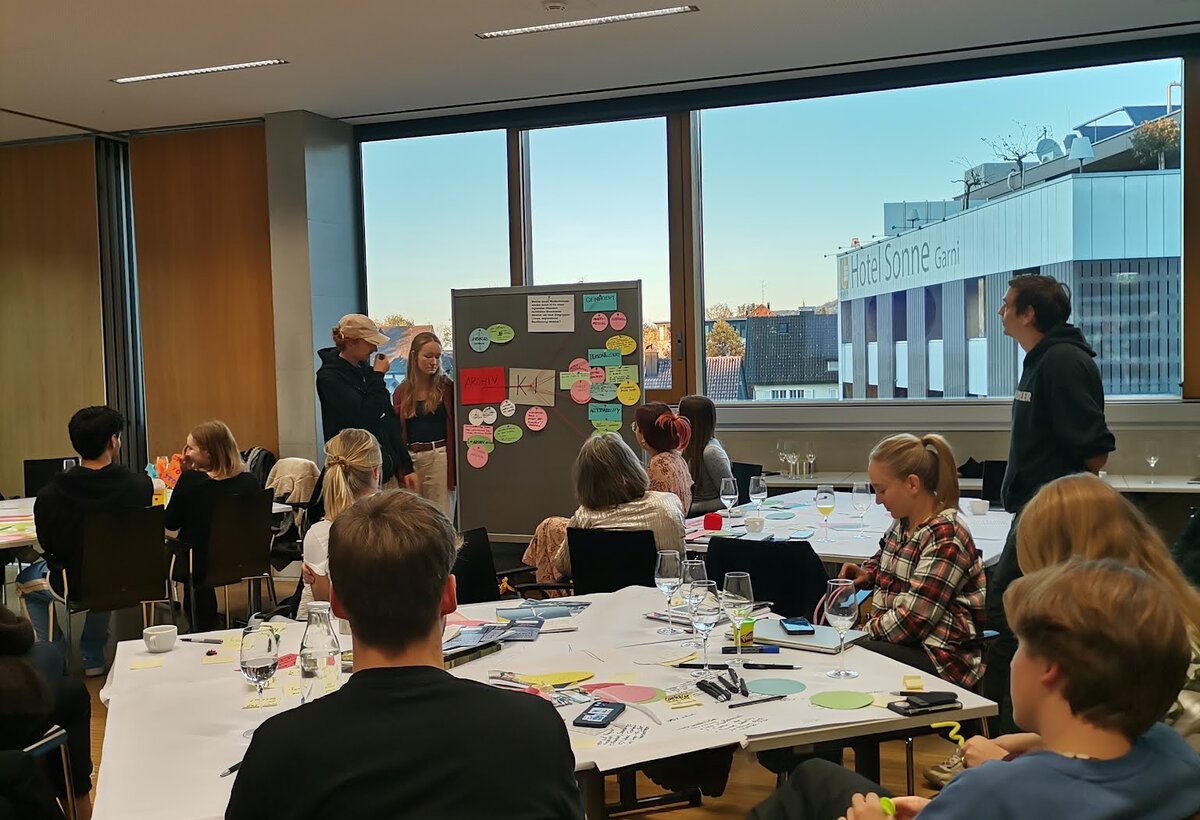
{"x": 410, "y": 741}
{"x": 427, "y": 427}
{"x": 191, "y": 507}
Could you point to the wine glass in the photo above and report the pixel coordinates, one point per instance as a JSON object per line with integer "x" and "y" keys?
{"x": 667, "y": 577}
{"x": 824, "y": 501}
{"x": 259, "y": 659}
{"x": 737, "y": 599}
{"x": 781, "y": 449}
{"x": 729, "y": 494}
{"x": 810, "y": 456}
{"x": 693, "y": 570}
{"x": 792, "y": 457}
{"x": 1151, "y": 454}
{"x": 860, "y": 500}
{"x": 758, "y": 492}
{"x": 841, "y": 611}
{"x": 705, "y": 610}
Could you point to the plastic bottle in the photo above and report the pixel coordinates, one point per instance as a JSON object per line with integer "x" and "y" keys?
{"x": 320, "y": 654}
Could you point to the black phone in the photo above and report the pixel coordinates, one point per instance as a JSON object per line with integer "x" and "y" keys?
{"x": 797, "y": 626}
{"x": 923, "y": 704}
{"x": 599, "y": 714}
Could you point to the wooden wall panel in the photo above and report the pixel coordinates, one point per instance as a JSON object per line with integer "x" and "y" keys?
{"x": 204, "y": 274}
{"x": 50, "y": 311}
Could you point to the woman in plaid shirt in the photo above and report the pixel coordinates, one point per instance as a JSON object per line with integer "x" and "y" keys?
{"x": 928, "y": 575}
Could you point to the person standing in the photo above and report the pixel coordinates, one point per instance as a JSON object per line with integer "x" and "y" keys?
{"x": 424, "y": 403}
{"x": 353, "y": 394}
{"x": 1058, "y": 428}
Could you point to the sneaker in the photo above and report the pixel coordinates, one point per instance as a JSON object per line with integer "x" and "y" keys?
{"x": 941, "y": 774}
{"x": 95, "y": 672}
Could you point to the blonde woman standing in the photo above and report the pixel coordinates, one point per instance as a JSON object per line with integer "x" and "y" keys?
{"x": 424, "y": 403}
{"x": 353, "y": 464}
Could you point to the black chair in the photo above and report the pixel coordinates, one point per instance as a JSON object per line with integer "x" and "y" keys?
{"x": 475, "y": 569}
{"x": 123, "y": 565}
{"x": 993, "y": 480}
{"x": 39, "y": 471}
{"x": 608, "y": 560}
{"x": 25, "y": 790}
{"x": 788, "y": 573}
{"x": 742, "y": 473}
{"x": 1186, "y": 548}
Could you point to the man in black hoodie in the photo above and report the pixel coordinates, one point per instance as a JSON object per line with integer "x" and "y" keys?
{"x": 98, "y": 483}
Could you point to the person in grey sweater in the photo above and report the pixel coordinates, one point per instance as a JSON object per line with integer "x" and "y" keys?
{"x": 704, "y": 454}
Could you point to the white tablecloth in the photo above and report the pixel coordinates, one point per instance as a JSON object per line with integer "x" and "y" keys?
{"x": 171, "y": 730}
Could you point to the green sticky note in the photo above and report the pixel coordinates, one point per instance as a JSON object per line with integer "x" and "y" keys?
{"x": 595, "y": 302}
{"x": 603, "y": 391}
{"x": 500, "y": 334}
{"x": 606, "y": 426}
{"x": 604, "y": 412}
{"x": 621, "y": 373}
{"x": 602, "y": 357}
{"x": 508, "y": 433}
{"x": 482, "y": 442}
{"x": 568, "y": 378}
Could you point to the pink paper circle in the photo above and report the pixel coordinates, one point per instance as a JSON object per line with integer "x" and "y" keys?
{"x": 618, "y": 321}
{"x": 581, "y": 392}
{"x": 625, "y": 692}
{"x": 535, "y": 417}
{"x": 599, "y": 322}
{"x": 597, "y": 375}
{"x": 477, "y": 456}
{"x": 578, "y": 366}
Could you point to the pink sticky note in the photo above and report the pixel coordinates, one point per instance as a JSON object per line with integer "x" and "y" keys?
{"x": 477, "y": 456}
{"x": 471, "y": 430}
{"x": 578, "y": 366}
{"x": 618, "y": 321}
{"x": 599, "y": 322}
{"x": 581, "y": 392}
{"x": 535, "y": 417}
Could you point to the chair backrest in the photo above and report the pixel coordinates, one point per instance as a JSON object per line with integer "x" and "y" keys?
{"x": 993, "y": 480}
{"x": 239, "y": 542}
{"x": 788, "y": 573}
{"x": 608, "y": 560}
{"x": 39, "y": 471}
{"x": 123, "y": 559}
{"x": 742, "y": 473}
{"x": 475, "y": 569}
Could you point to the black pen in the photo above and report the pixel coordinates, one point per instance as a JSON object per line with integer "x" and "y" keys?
{"x": 711, "y": 689}
{"x": 701, "y": 666}
{"x": 741, "y": 683}
{"x": 749, "y": 665}
{"x": 760, "y": 700}
{"x": 231, "y": 769}
{"x": 217, "y": 641}
{"x": 733, "y": 690}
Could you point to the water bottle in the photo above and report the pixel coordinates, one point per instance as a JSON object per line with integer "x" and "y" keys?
{"x": 320, "y": 654}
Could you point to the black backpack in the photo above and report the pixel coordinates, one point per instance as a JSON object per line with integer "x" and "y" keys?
{"x": 259, "y": 462}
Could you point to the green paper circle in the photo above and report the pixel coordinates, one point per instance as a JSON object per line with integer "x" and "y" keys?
{"x": 500, "y": 334}
{"x": 508, "y": 433}
{"x": 842, "y": 700}
{"x": 780, "y": 516}
{"x": 603, "y": 391}
{"x": 482, "y": 442}
{"x": 775, "y": 686}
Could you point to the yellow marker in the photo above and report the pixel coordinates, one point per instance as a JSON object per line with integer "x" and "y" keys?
{"x": 954, "y": 727}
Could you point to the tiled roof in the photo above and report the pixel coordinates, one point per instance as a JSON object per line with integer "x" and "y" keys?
{"x": 791, "y": 349}
{"x": 724, "y": 378}
{"x": 660, "y": 380}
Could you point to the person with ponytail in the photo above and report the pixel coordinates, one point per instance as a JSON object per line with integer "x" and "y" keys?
{"x": 424, "y": 403}
{"x": 353, "y": 468}
{"x": 705, "y": 456}
{"x": 927, "y": 574}
{"x": 663, "y": 434}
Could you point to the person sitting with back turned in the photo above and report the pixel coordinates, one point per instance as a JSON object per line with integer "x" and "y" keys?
{"x": 98, "y": 483}
{"x": 662, "y": 434}
{"x": 705, "y": 456}
{"x": 1093, "y": 680}
{"x": 415, "y": 741}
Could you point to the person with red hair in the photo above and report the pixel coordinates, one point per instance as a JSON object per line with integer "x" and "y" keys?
{"x": 663, "y": 435}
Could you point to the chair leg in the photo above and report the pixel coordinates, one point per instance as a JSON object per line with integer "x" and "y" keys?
{"x": 909, "y": 772}
{"x": 192, "y": 614}
{"x": 67, "y": 636}
{"x": 271, "y": 588}
{"x": 69, "y": 782}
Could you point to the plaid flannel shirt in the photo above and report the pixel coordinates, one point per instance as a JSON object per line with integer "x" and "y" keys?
{"x": 929, "y": 590}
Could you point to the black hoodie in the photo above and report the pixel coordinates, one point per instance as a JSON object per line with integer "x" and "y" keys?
{"x": 62, "y": 504}
{"x": 356, "y": 396}
{"x": 1058, "y": 415}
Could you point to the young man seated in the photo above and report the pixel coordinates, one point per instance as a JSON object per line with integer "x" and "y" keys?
{"x": 402, "y": 737}
{"x": 1093, "y": 681}
{"x": 98, "y": 483}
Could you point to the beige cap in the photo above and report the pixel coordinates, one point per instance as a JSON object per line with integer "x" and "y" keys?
{"x": 357, "y": 326}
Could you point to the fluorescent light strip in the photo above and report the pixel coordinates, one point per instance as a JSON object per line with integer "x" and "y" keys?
{"x": 590, "y": 21}
{"x": 191, "y": 72}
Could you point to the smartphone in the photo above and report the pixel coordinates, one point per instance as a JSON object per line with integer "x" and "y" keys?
{"x": 797, "y": 626}
{"x": 916, "y": 705}
{"x": 599, "y": 714}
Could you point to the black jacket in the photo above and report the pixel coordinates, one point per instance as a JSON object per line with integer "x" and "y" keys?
{"x": 356, "y": 396}
{"x": 62, "y": 504}
{"x": 1057, "y": 418}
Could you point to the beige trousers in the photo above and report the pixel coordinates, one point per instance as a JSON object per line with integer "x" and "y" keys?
{"x": 430, "y": 467}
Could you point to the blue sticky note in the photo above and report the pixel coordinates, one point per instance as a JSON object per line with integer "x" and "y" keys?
{"x": 594, "y": 302}
{"x": 603, "y": 357}
{"x": 604, "y": 412}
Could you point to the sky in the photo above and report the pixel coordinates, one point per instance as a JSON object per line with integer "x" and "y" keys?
{"x": 784, "y": 185}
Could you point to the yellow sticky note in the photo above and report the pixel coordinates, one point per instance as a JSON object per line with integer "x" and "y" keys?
{"x": 330, "y": 686}
{"x": 884, "y": 698}
{"x": 146, "y": 663}
{"x": 623, "y": 677}
{"x": 681, "y": 700}
{"x": 220, "y": 657}
{"x": 273, "y": 683}
{"x": 581, "y": 742}
{"x": 252, "y": 702}
{"x": 292, "y": 690}
{"x": 690, "y": 656}
{"x": 912, "y": 683}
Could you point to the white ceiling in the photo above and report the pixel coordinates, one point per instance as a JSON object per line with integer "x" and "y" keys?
{"x": 403, "y": 58}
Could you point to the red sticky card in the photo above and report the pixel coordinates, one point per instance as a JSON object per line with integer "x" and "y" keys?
{"x": 287, "y": 661}
{"x": 481, "y": 385}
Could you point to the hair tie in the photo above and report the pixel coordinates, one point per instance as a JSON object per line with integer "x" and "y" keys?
{"x": 334, "y": 461}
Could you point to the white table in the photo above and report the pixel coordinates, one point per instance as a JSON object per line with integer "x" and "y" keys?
{"x": 843, "y": 480}
{"x": 989, "y": 530}
{"x": 172, "y": 730}
{"x": 1184, "y": 484}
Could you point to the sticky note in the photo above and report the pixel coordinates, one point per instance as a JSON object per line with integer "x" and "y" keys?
{"x": 535, "y": 418}
{"x": 882, "y": 699}
{"x": 912, "y": 683}
{"x": 231, "y": 640}
{"x": 628, "y": 393}
{"x": 582, "y": 742}
{"x": 599, "y": 322}
{"x": 486, "y": 444}
{"x": 603, "y": 391}
{"x": 477, "y": 457}
{"x": 681, "y": 700}
{"x": 604, "y": 412}
{"x": 593, "y": 302}
{"x": 481, "y": 385}
{"x": 479, "y": 340}
{"x": 617, "y": 321}
{"x": 482, "y": 430}
{"x": 329, "y": 686}
{"x": 603, "y": 357}
{"x": 500, "y": 334}
{"x": 623, "y": 677}
{"x": 581, "y": 392}
{"x": 146, "y": 663}
{"x": 625, "y": 344}
{"x": 508, "y": 433}
{"x": 220, "y": 657}
{"x": 507, "y": 408}
{"x": 292, "y": 690}
{"x": 621, "y": 373}
{"x": 606, "y": 426}
{"x": 253, "y": 702}
{"x": 578, "y": 364}
{"x": 569, "y": 377}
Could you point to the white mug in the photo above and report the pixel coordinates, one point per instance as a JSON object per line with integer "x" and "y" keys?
{"x": 755, "y": 523}
{"x": 160, "y": 638}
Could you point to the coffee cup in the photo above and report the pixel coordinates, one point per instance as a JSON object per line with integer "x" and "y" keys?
{"x": 160, "y": 638}
{"x": 979, "y": 506}
{"x": 755, "y": 523}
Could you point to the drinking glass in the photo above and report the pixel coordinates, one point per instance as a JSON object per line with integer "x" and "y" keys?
{"x": 259, "y": 658}
{"x": 705, "y": 610}
{"x": 860, "y": 499}
{"x": 810, "y": 456}
{"x": 729, "y": 494}
{"x": 667, "y": 577}
{"x": 793, "y": 457}
{"x": 693, "y": 570}
{"x": 781, "y": 449}
{"x": 737, "y": 599}
{"x": 758, "y": 491}
{"x": 1151, "y": 454}
{"x": 841, "y": 611}
{"x": 824, "y": 501}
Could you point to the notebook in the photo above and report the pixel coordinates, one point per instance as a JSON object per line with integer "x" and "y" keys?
{"x": 824, "y": 640}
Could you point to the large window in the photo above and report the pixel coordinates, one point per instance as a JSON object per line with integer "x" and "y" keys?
{"x": 859, "y": 246}
{"x": 436, "y": 218}
{"x": 598, "y": 202}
